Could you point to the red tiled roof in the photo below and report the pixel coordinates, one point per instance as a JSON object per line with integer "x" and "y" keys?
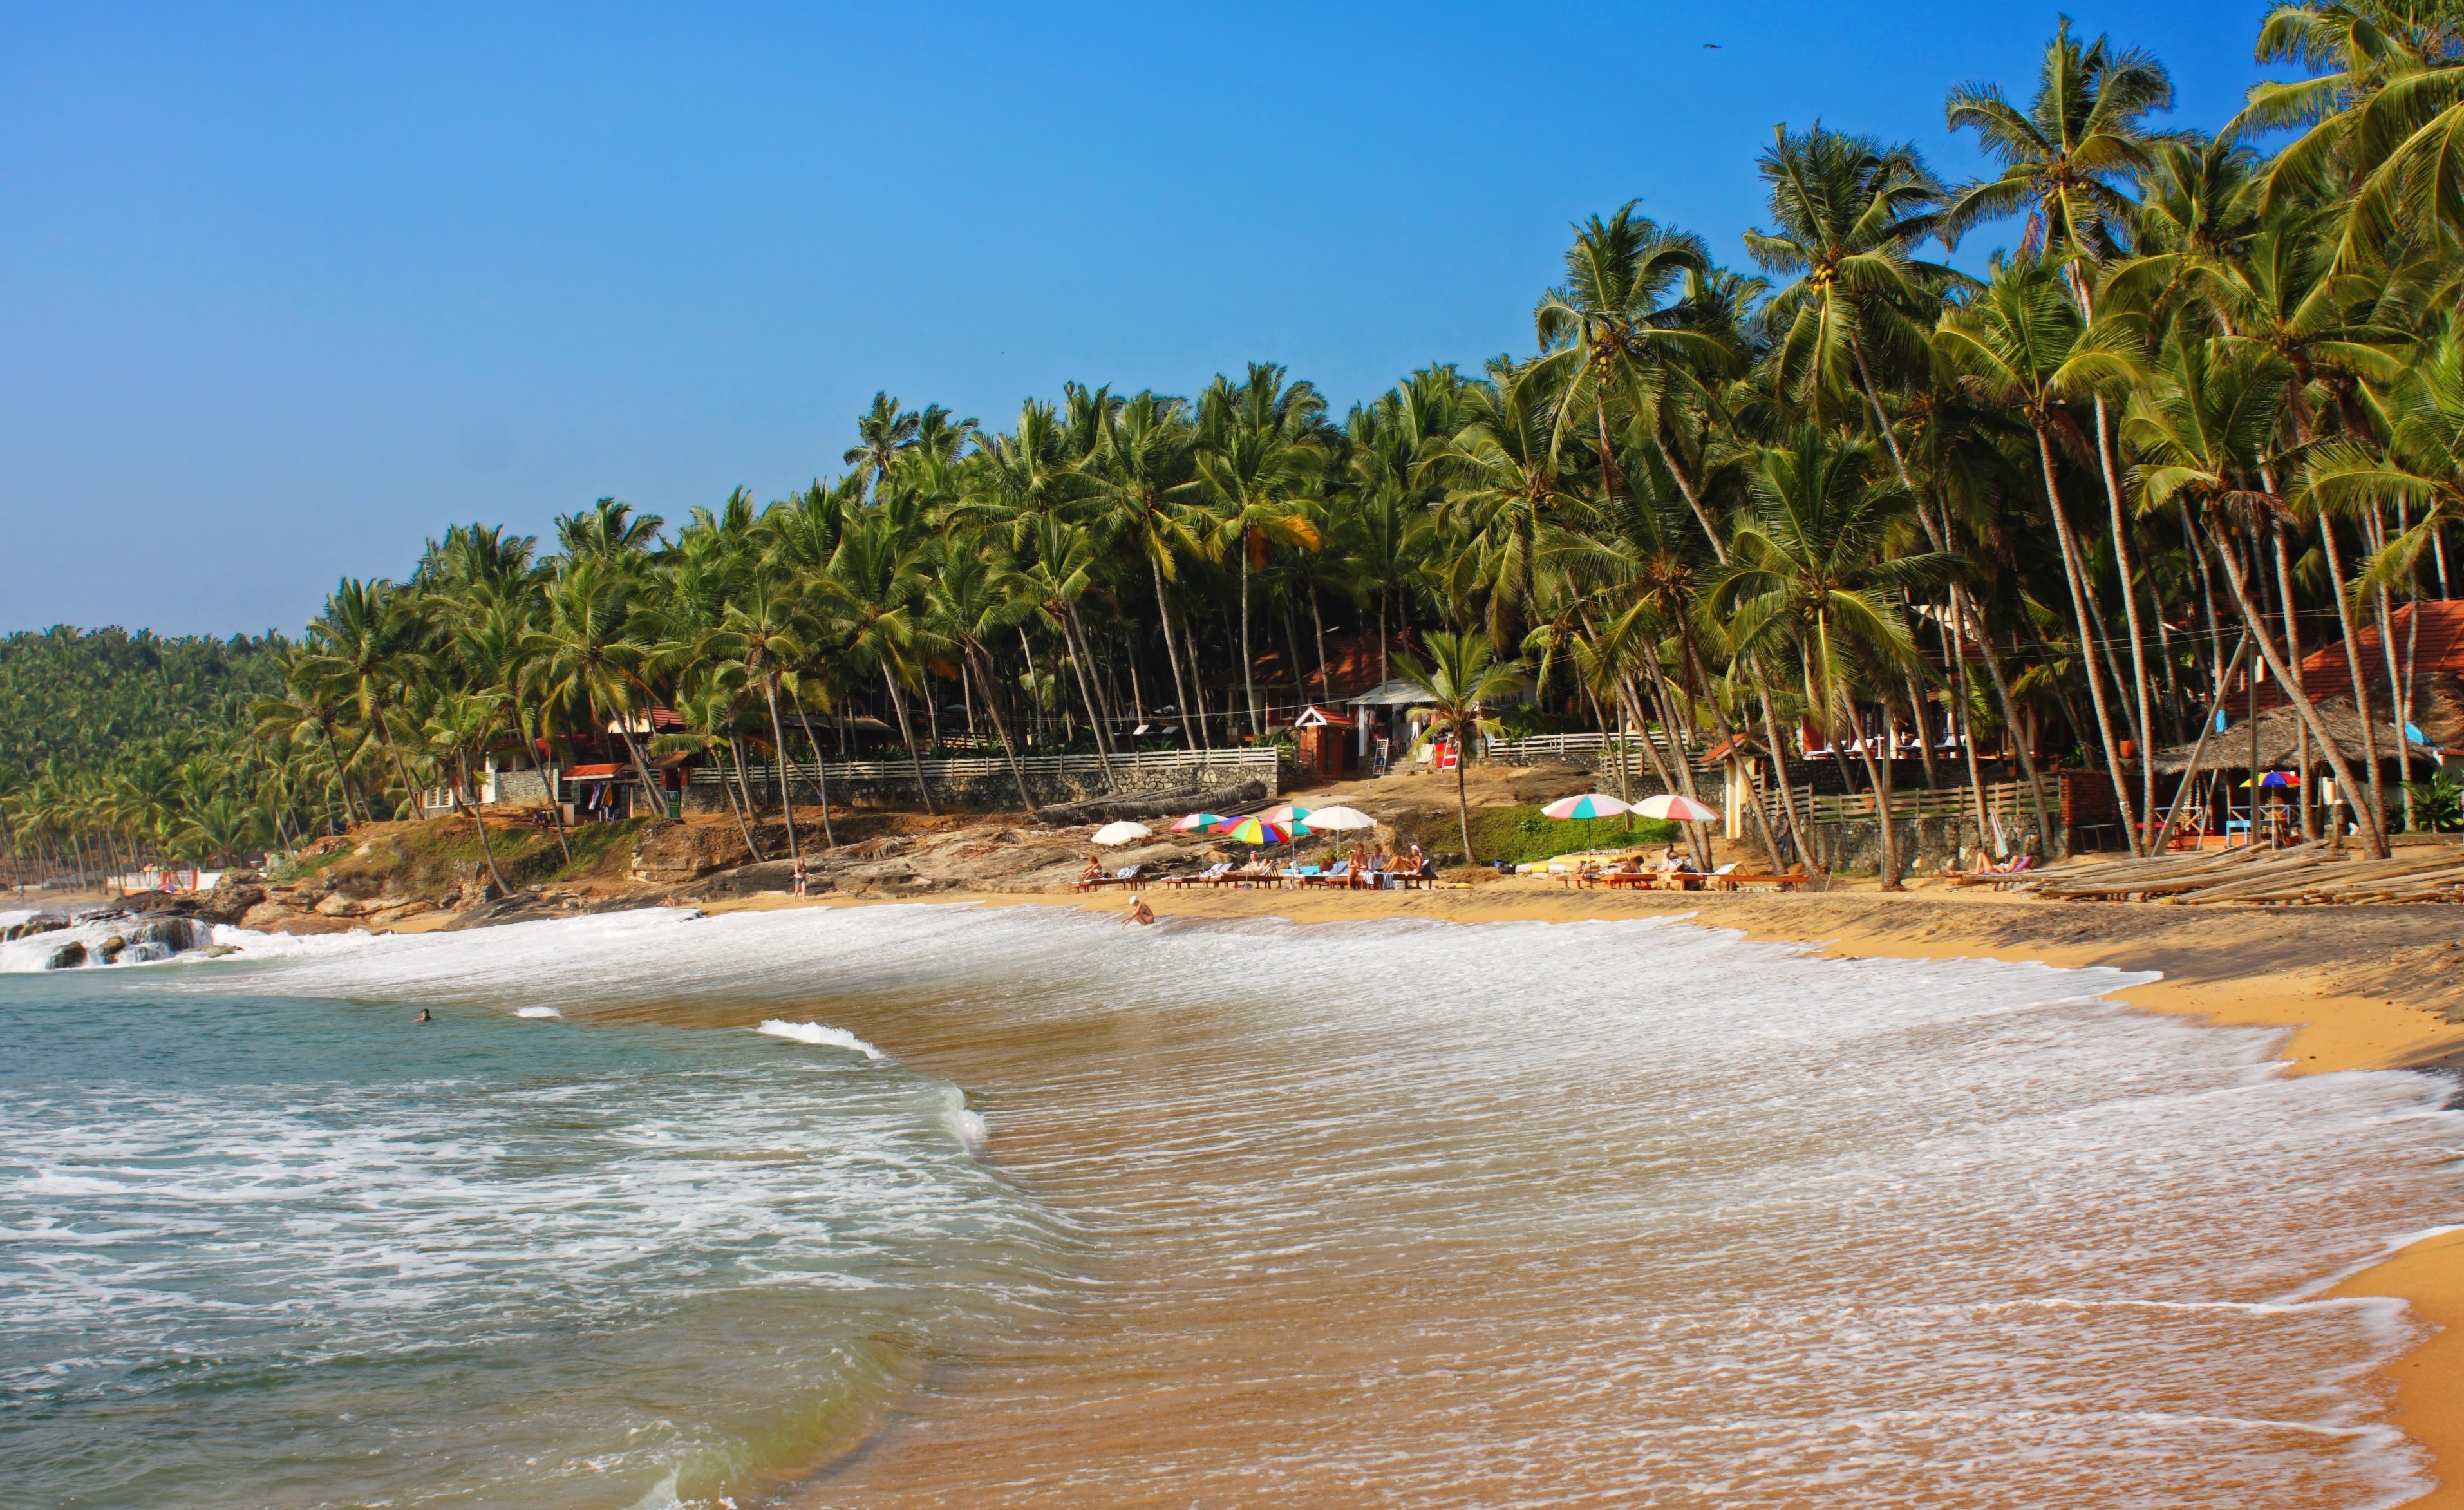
{"x": 2438, "y": 651}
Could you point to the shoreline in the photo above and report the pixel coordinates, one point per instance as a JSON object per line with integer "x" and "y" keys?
{"x": 2351, "y": 1006}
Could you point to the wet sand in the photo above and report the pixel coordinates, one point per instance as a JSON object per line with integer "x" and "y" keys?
{"x": 2360, "y": 989}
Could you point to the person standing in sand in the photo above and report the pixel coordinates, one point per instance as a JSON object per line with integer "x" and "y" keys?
{"x": 799, "y": 875}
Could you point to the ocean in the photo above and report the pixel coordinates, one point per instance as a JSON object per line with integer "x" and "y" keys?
{"x": 932, "y": 1205}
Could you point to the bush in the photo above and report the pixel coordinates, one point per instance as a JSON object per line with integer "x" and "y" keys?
{"x": 2437, "y": 805}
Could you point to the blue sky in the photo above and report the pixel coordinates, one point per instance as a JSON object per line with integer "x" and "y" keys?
{"x": 284, "y": 290}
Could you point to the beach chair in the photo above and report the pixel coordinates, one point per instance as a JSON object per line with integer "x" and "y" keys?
{"x": 1338, "y": 874}
{"x": 1777, "y": 880}
{"x": 1209, "y": 877}
{"x": 1126, "y": 876}
{"x": 1719, "y": 879}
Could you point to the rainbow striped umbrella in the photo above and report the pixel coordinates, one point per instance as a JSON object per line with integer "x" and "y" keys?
{"x": 1590, "y": 805}
{"x": 1198, "y": 821}
{"x": 1668, "y": 805}
{"x": 1258, "y": 830}
{"x": 1286, "y": 817}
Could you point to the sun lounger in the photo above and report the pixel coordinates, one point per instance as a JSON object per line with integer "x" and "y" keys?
{"x": 1213, "y": 875}
{"x": 1126, "y": 876}
{"x": 1339, "y": 873}
{"x": 1991, "y": 876}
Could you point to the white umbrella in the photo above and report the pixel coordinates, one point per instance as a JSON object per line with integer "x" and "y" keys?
{"x": 1671, "y": 807}
{"x": 1122, "y": 833}
{"x": 1335, "y": 819}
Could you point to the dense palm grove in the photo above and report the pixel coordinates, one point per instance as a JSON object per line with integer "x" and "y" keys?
{"x": 2207, "y": 412}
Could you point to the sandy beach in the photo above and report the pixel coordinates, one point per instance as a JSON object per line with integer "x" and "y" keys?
{"x": 2359, "y": 988}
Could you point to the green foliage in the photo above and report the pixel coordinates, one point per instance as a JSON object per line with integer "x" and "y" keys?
{"x": 1524, "y": 833}
{"x": 84, "y": 697}
{"x": 2437, "y": 805}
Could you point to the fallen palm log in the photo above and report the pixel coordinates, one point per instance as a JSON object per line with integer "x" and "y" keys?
{"x": 2169, "y": 874}
{"x": 2345, "y": 882}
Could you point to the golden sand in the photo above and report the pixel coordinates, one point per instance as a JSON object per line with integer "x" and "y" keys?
{"x": 2359, "y": 987}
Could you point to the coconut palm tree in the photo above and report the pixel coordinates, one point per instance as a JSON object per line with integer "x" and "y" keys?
{"x": 1259, "y": 454}
{"x": 2021, "y": 344}
{"x": 1813, "y": 572}
{"x": 1463, "y": 677}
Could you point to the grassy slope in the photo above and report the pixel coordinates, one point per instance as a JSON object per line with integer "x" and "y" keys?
{"x": 420, "y": 859}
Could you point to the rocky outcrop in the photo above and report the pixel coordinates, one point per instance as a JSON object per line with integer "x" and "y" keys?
{"x": 674, "y": 853}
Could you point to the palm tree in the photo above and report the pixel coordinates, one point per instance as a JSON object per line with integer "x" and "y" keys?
{"x": 1814, "y": 568}
{"x": 1258, "y": 455}
{"x": 1143, "y": 465}
{"x": 1508, "y": 478}
{"x": 463, "y": 723}
{"x": 876, "y": 577}
{"x": 364, "y": 653}
{"x": 973, "y": 596}
{"x": 1462, "y": 677}
{"x": 583, "y": 660}
{"x": 765, "y": 631}
{"x": 2206, "y": 428}
{"x": 2021, "y": 344}
{"x": 881, "y": 432}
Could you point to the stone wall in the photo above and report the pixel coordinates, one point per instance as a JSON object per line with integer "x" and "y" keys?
{"x": 1928, "y": 846}
{"x": 989, "y": 787}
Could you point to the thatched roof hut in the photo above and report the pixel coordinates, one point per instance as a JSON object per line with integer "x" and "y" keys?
{"x": 2280, "y": 742}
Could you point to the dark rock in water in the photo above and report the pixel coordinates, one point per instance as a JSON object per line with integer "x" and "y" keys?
{"x": 67, "y": 957}
{"x": 173, "y": 934}
{"x": 109, "y": 948}
{"x": 44, "y": 922}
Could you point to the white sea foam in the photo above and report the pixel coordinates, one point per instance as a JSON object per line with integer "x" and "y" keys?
{"x": 1659, "y": 1215}
{"x": 537, "y": 1011}
{"x": 819, "y": 1036}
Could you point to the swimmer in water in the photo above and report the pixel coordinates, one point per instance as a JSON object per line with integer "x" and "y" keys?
{"x": 423, "y": 1016}
{"x": 1140, "y": 911}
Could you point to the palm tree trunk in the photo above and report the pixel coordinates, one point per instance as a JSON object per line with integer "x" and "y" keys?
{"x": 821, "y": 773}
{"x": 2373, "y": 839}
{"x": 2130, "y": 614}
{"x": 1086, "y": 696}
{"x": 1248, "y": 683}
{"x": 462, "y": 766}
{"x": 1001, "y": 727}
{"x": 418, "y": 810}
{"x": 898, "y": 705}
{"x": 743, "y": 789}
{"x": 2087, "y": 645}
{"x": 1463, "y": 800}
{"x": 736, "y": 809}
{"x": 1780, "y": 773}
{"x": 1879, "y": 780}
{"x": 1180, "y": 688}
{"x": 1317, "y": 620}
{"x": 787, "y": 793}
{"x": 341, "y": 776}
{"x": 642, "y": 767}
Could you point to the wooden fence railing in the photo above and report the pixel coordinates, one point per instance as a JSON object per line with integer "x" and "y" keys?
{"x": 1242, "y": 763}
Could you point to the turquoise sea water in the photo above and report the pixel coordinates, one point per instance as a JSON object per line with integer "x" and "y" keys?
{"x": 259, "y": 1250}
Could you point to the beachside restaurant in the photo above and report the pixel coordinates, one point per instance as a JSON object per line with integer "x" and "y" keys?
{"x": 2294, "y": 794}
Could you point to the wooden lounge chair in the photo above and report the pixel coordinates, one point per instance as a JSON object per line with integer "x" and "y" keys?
{"x": 1339, "y": 873}
{"x": 1213, "y": 875}
{"x": 1778, "y": 881}
{"x": 1126, "y": 876}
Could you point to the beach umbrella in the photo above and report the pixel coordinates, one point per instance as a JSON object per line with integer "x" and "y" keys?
{"x": 1197, "y": 822}
{"x": 2279, "y": 778}
{"x": 1335, "y": 821}
{"x": 1286, "y": 816}
{"x": 1258, "y": 830}
{"x": 1675, "y": 808}
{"x": 1590, "y": 805}
{"x": 1122, "y": 833}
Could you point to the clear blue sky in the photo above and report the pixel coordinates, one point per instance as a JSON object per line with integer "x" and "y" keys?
{"x": 284, "y": 290}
